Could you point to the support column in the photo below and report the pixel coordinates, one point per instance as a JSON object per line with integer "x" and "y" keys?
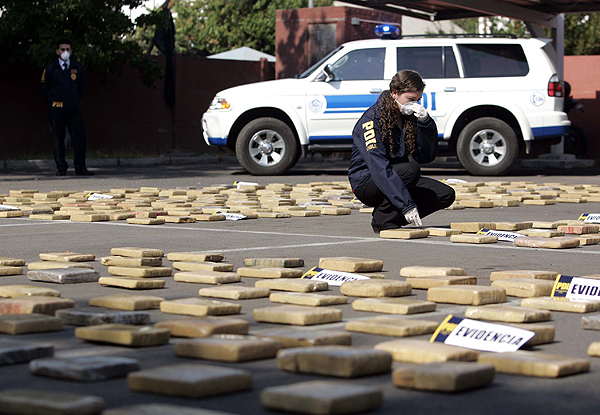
{"x": 558, "y": 39}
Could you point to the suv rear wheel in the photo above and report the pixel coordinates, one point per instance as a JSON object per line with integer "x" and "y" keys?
{"x": 267, "y": 146}
{"x": 487, "y": 146}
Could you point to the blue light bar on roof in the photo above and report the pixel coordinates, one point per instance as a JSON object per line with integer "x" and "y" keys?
{"x": 387, "y": 31}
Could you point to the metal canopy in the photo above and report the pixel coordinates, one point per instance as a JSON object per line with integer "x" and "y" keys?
{"x": 539, "y": 12}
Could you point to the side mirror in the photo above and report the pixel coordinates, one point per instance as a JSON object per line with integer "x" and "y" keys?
{"x": 329, "y": 75}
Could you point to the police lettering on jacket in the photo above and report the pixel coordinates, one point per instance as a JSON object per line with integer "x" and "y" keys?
{"x": 370, "y": 157}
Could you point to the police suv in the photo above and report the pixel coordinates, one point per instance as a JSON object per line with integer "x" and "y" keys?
{"x": 489, "y": 96}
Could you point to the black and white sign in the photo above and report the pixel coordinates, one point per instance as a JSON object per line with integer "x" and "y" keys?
{"x": 335, "y": 278}
{"x": 480, "y": 335}
{"x": 502, "y": 235}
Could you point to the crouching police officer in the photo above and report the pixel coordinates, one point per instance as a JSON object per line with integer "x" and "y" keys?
{"x": 380, "y": 172}
{"x": 62, "y": 86}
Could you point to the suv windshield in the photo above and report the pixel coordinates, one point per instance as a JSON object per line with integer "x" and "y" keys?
{"x": 316, "y": 65}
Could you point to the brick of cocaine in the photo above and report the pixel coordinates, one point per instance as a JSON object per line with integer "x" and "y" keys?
{"x": 351, "y": 264}
{"x": 124, "y": 334}
{"x": 297, "y": 315}
{"x": 444, "y": 377}
{"x": 466, "y": 294}
{"x": 29, "y": 401}
{"x": 322, "y": 398}
{"x": 392, "y": 326}
{"x": 422, "y": 351}
{"x": 536, "y": 364}
{"x": 204, "y": 326}
{"x": 64, "y": 275}
{"x": 127, "y": 302}
{"x": 190, "y": 380}
{"x": 84, "y": 369}
{"x": 207, "y": 277}
{"x": 67, "y": 257}
{"x": 340, "y": 361}
{"x": 274, "y": 262}
{"x": 507, "y": 314}
{"x": 234, "y": 292}
{"x": 92, "y": 317}
{"x": 418, "y": 271}
{"x": 228, "y": 348}
{"x": 269, "y": 272}
{"x": 199, "y": 307}
{"x": 307, "y": 338}
{"x": 525, "y": 288}
{"x": 376, "y": 288}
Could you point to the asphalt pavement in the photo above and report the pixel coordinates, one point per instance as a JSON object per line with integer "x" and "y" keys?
{"x": 310, "y": 239}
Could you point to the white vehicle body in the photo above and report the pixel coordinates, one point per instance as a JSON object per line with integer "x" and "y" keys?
{"x": 322, "y": 106}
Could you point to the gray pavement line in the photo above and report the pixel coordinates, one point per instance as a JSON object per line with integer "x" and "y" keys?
{"x": 225, "y": 230}
{"x": 50, "y": 222}
{"x": 492, "y": 246}
{"x": 262, "y": 248}
{"x": 359, "y": 238}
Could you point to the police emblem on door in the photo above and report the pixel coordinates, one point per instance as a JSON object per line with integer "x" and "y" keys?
{"x": 316, "y": 105}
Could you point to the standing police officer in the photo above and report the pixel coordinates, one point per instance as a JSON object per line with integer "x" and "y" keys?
{"x": 63, "y": 84}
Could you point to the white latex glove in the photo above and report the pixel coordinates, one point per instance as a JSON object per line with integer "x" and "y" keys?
{"x": 414, "y": 108}
{"x": 413, "y": 218}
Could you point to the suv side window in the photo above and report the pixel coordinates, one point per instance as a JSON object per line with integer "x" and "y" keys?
{"x": 430, "y": 62}
{"x": 360, "y": 65}
{"x": 481, "y": 60}
{"x": 450, "y": 66}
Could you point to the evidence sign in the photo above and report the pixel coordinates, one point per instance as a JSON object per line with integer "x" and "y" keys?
{"x": 335, "y": 278}
{"x": 479, "y": 335}
{"x": 590, "y": 217}
{"x": 576, "y": 288}
{"x": 502, "y": 235}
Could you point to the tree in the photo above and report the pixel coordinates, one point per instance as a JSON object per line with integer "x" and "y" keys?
{"x": 582, "y": 34}
{"x": 214, "y": 26}
{"x": 495, "y": 24}
{"x": 99, "y": 31}
{"x": 582, "y": 31}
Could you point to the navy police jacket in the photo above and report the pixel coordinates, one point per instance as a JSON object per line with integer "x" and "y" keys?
{"x": 370, "y": 156}
{"x": 63, "y": 88}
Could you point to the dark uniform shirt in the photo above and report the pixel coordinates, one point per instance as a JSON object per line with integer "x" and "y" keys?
{"x": 370, "y": 157}
{"x": 63, "y": 88}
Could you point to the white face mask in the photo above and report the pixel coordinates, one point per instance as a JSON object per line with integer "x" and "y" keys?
{"x": 65, "y": 56}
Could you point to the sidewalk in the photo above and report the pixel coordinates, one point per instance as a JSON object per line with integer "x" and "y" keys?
{"x": 115, "y": 162}
{"x": 439, "y": 162}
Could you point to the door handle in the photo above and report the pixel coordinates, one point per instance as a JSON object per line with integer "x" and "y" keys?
{"x": 376, "y": 91}
{"x": 450, "y": 89}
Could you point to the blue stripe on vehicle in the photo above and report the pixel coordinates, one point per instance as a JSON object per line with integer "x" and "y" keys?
{"x": 329, "y": 137}
{"x": 217, "y": 141}
{"x": 351, "y": 101}
{"x": 357, "y": 111}
{"x": 342, "y": 137}
{"x": 550, "y": 131}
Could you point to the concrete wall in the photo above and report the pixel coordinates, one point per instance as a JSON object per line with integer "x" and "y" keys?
{"x": 123, "y": 115}
{"x": 582, "y": 73}
{"x": 293, "y": 28}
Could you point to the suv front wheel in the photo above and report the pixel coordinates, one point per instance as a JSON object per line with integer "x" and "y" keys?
{"x": 267, "y": 146}
{"x": 487, "y": 147}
